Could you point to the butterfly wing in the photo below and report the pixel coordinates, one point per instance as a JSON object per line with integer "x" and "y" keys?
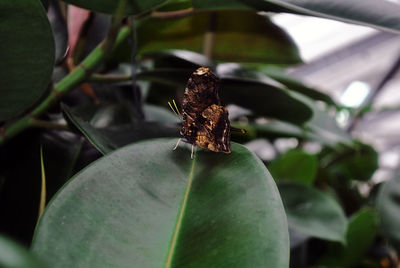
{"x": 214, "y": 131}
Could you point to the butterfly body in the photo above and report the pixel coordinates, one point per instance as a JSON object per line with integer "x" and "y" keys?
{"x": 205, "y": 120}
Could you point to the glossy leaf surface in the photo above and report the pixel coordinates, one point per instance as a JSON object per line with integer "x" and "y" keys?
{"x": 312, "y": 212}
{"x": 26, "y": 55}
{"x": 148, "y": 206}
{"x": 296, "y": 166}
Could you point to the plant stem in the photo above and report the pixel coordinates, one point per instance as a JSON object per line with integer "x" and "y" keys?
{"x": 115, "y": 26}
{"x": 42, "y": 203}
{"x": 67, "y": 84}
{"x": 100, "y": 78}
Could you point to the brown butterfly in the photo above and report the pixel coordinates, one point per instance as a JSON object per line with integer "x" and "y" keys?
{"x": 205, "y": 120}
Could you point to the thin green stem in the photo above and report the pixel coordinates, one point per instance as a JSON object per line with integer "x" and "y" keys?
{"x": 67, "y": 84}
{"x": 43, "y": 190}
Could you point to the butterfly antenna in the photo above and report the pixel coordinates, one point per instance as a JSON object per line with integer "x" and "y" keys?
{"x": 169, "y": 103}
{"x": 176, "y": 107}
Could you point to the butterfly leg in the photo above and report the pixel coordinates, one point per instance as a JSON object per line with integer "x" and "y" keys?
{"x": 191, "y": 155}
{"x": 176, "y": 146}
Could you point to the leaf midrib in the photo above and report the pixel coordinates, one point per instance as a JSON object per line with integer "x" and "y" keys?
{"x": 180, "y": 218}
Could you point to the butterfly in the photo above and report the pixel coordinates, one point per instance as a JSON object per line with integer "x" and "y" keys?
{"x": 205, "y": 121}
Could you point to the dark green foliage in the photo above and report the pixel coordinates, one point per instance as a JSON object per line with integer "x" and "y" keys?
{"x": 141, "y": 204}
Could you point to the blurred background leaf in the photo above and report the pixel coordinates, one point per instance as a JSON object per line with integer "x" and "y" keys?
{"x": 296, "y": 166}
{"x": 313, "y": 212}
{"x": 388, "y": 206}
{"x": 269, "y": 42}
{"x": 13, "y": 255}
{"x": 362, "y": 230}
{"x": 350, "y": 163}
{"x": 108, "y": 127}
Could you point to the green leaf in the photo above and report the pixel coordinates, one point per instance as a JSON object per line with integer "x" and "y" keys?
{"x": 383, "y": 15}
{"x": 361, "y": 232}
{"x": 358, "y": 162}
{"x": 27, "y": 55}
{"x": 271, "y": 130}
{"x": 247, "y": 38}
{"x": 109, "y": 137}
{"x": 109, "y": 6}
{"x": 295, "y": 165}
{"x": 388, "y": 206}
{"x": 13, "y": 255}
{"x": 312, "y": 212}
{"x": 148, "y": 206}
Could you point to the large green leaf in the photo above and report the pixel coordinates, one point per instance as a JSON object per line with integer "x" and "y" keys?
{"x": 13, "y": 255}
{"x": 388, "y": 205}
{"x": 148, "y": 206}
{"x": 362, "y": 229}
{"x": 241, "y": 36}
{"x": 26, "y": 55}
{"x": 312, "y": 212}
{"x": 295, "y": 165}
{"x": 375, "y": 13}
{"x": 110, "y": 6}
